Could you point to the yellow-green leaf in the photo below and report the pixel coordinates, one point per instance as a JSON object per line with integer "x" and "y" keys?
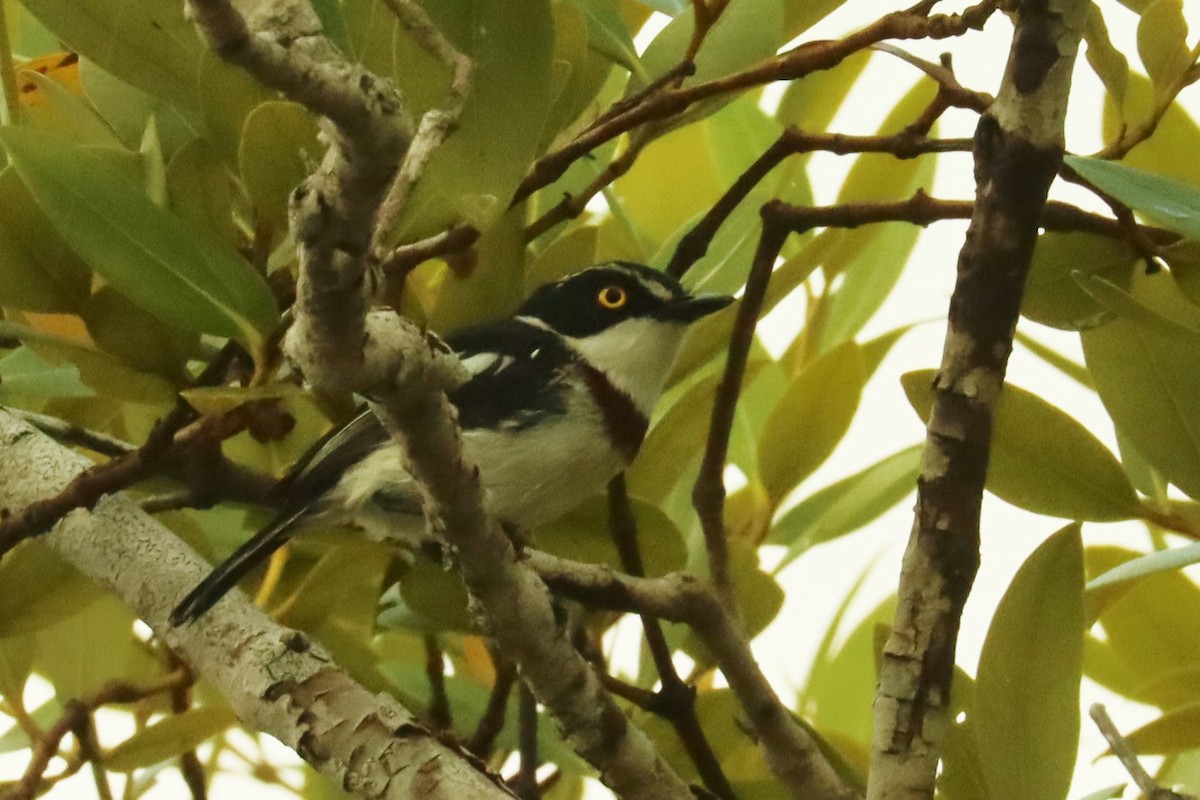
{"x": 1175, "y": 731}
{"x": 1043, "y": 460}
{"x": 169, "y": 737}
{"x": 1026, "y": 709}
{"x": 278, "y": 150}
{"x": 1162, "y": 42}
{"x": 147, "y": 253}
{"x": 811, "y": 418}
{"x": 1149, "y": 378}
{"x": 1053, "y": 295}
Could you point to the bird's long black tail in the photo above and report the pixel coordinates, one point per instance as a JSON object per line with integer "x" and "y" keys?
{"x": 229, "y": 572}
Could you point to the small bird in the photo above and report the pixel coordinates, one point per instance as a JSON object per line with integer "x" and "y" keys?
{"x": 557, "y": 403}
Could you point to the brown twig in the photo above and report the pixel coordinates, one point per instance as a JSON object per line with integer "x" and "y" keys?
{"x": 912, "y": 23}
{"x": 72, "y": 434}
{"x": 708, "y": 494}
{"x": 694, "y": 244}
{"x": 491, "y": 722}
{"x": 396, "y": 265}
{"x": 438, "y": 712}
{"x": 1128, "y": 758}
{"x": 572, "y": 206}
{"x": 190, "y": 766}
{"x": 75, "y": 717}
{"x": 526, "y": 783}
{"x": 675, "y": 701}
{"x": 680, "y": 597}
{"x": 1132, "y": 137}
{"x": 1018, "y": 152}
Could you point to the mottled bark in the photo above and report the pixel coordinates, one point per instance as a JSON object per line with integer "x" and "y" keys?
{"x": 1018, "y": 150}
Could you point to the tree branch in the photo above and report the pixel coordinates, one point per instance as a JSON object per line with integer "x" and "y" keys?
{"x": 675, "y": 701}
{"x": 787, "y": 748}
{"x": 1019, "y": 147}
{"x": 276, "y": 679}
{"x": 913, "y": 23}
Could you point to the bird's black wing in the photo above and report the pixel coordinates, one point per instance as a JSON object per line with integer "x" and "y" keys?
{"x": 516, "y": 369}
{"x": 517, "y": 375}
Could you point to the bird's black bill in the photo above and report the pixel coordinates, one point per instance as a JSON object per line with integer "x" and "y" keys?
{"x": 693, "y": 308}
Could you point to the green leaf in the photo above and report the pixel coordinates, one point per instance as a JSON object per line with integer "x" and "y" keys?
{"x": 811, "y": 418}
{"x": 44, "y": 715}
{"x": 1162, "y": 43}
{"x": 800, "y": 15}
{"x": 1043, "y": 460}
{"x": 128, "y": 109}
{"x": 1148, "y": 380}
{"x": 1164, "y": 201}
{"x": 1109, "y": 63}
{"x": 277, "y": 151}
{"x": 473, "y": 175}
{"x": 811, "y": 102}
{"x": 1175, "y": 132}
{"x": 1026, "y": 709}
{"x": 847, "y": 505}
{"x": 88, "y": 649}
{"x": 1107, "y": 793}
{"x": 583, "y": 535}
{"x": 199, "y": 190}
{"x": 1053, "y": 295}
{"x": 40, "y": 589}
{"x": 1161, "y": 561}
{"x": 149, "y": 44}
{"x": 16, "y": 662}
{"x": 608, "y": 33}
{"x": 23, "y": 373}
{"x": 147, "y": 253}
{"x": 1184, "y": 259}
{"x": 135, "y": 336}
{"x": 1134, "y": 616}
{"x": 1175, "y": 731}
{"x": 840, "y": 679}
{"x": 169, "y": 737}
{"x": 38, "y": 272}
{"x": 61, "y": 112}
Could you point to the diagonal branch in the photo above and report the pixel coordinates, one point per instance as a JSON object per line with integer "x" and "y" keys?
{"x": 679, "y": 597}
{"x": 1018, "y": 151}
{"x": 276, "y": 679}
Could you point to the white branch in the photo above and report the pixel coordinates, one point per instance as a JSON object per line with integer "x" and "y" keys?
{"x": 276, "y": 679}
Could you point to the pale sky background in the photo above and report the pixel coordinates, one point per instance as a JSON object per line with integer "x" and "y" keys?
{"x": 817, "y": 583}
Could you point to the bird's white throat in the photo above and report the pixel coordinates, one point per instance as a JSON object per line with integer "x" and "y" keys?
{"x": 636, "y": 356}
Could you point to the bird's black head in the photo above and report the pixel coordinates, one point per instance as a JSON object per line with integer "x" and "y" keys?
{"x": 600, "y": 297}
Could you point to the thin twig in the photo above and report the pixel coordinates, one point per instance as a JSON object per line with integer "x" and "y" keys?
{"x": 694, "y": 244}
{"x": 435, "y": 124}
{"x": 526, "y": 782}
{"x": 913, "y": 23}
{"x": 438, "y": 711}
{"x": 676, "y": 701}
{"x": 89, "y": 749}
{"x": 72, "y": 434}
{"x": 491, "y": 722}
{"x": 1128, "y": 758}
{"x": 75, "y": 715}
{"x": 1132, "y": 137}
{"x": 190, "y": 766}
{"x": 788, "y": 749}
{"x": 396, "y": 265}
{"x": 572, "y": 206}
{"x": 708, "y": 494}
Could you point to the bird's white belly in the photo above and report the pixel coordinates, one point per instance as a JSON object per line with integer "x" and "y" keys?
{"x": 531, "y": 475}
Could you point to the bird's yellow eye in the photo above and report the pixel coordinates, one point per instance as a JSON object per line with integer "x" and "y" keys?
{"x": 612, "y": 297}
